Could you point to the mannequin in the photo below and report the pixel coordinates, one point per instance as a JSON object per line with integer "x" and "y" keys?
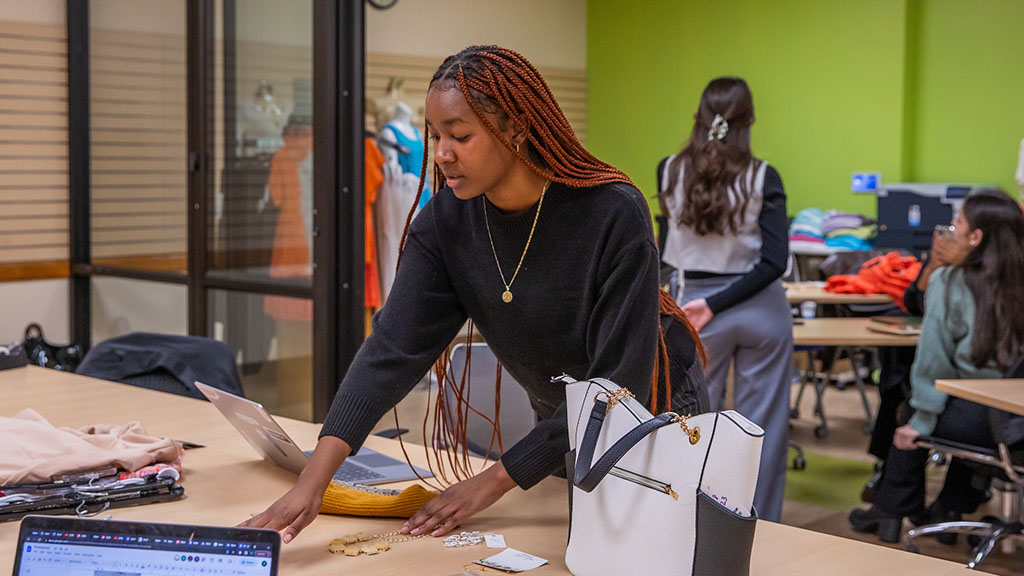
{"x": 401, "y": 179}
{"x": 262, "y": 121}
{"x": 400, "y": 130}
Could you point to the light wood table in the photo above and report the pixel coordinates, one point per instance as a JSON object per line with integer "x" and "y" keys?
{"x": 226, "y": 481}
{"x": 1004, "y": 393}
{"x": 797, "y": 292}
{"x": 844, "y": 332}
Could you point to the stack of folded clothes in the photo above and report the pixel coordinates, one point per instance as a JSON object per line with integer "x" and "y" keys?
{"x": 846, "y": 231}
{"x": 805, "y": 233}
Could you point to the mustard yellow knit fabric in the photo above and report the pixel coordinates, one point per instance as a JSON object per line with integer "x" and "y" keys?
{"x": 340, "y": 499}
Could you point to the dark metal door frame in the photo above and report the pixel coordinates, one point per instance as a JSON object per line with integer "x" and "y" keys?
{"x": 338, "y": 285}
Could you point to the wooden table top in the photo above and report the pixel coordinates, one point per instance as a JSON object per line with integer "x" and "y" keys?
{"x": 1004, "y": 393}
{"x": 844, "y": 332}
{"x": 226, "y": 481}
{"x": 797, "y": 292}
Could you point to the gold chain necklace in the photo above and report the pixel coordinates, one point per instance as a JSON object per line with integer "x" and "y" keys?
{"x": 506, "y": 296}
{"x": 368, "y": 544}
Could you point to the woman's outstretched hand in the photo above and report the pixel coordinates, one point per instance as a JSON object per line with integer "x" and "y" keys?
{"x": 456, "y": 504}
{"x": 300, "y": 505}
{"x": 291, "y": 513}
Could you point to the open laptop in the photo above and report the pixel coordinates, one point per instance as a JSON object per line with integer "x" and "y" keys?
{"x": 270, "y": 440}
{"x": 83, "y": 547}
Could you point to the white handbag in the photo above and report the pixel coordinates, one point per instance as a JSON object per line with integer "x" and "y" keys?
{"x": 657, "y": 495}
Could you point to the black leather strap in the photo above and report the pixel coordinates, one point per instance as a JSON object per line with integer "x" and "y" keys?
{"x": 587, "y": 478}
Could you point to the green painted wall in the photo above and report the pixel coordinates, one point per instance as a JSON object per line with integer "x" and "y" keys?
{"x": 873, "y": 85}
{"x": 969, "y": 117}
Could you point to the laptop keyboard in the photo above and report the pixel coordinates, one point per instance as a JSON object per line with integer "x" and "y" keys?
{"x": 349, "y": 472}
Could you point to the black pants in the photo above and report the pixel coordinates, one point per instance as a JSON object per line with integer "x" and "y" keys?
{"x": 902, "y": 491}
{"x": 893, "y": 387}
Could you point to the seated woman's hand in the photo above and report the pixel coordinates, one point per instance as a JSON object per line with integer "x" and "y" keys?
{"x": 905, "y": 438}
{"x": 460, "y": 501}
{"x": 947, "y": 251}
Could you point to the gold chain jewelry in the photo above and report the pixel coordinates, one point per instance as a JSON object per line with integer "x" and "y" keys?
{"x": 368, "y": 544}
{"x": 506, "y": 296}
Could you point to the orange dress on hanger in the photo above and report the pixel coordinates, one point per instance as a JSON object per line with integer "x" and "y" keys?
{"x": 290, "y": 256}
{"x": 374, "y": 178}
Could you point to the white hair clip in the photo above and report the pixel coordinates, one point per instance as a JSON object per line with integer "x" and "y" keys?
{"x": 719, "y": 128}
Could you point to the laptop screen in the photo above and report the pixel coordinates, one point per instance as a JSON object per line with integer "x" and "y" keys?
{"x": 74, "y": 547}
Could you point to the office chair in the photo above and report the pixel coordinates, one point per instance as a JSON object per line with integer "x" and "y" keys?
{"x": 1006, "y": 466}
{"x": 164, "y": 362}
{"x": 516, "y": 416}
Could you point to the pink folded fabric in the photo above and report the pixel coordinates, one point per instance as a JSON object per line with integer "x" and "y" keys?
{"x": 806, "y": 238}
{"x": 33, "y": 450}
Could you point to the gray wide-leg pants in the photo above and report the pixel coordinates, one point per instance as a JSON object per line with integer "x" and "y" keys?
{"x": 757, "y": 336}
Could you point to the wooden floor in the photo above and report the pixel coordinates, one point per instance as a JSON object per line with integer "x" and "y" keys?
{"x": 846, "y": 440}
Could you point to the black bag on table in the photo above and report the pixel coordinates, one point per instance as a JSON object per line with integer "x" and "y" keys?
{"x": 42, "y": 353}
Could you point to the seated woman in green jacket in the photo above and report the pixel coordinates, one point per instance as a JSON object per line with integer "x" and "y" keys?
{"x": 971, "y": 329}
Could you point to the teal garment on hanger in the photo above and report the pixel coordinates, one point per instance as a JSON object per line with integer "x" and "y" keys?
{"x": 412, "y": 162}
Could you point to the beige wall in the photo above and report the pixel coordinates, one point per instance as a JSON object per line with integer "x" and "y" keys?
{"x": 547, "y": 32}
{"x": 37, "y": 11}
{"x": 156, "y": 16}
{"x": 42, "y": 301}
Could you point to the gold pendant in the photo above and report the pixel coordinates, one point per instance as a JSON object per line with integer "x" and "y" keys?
{"x": 506, "y": 296}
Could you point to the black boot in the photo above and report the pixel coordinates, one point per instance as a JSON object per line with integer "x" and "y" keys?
{"x": 870, "y": 490}
{"x": 874, "y": 521}
{"x": 933, "y": 515}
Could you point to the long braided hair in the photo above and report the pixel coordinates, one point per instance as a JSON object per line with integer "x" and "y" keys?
{"x": 501, "y": 84}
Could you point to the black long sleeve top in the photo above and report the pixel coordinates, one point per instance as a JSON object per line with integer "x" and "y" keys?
{"x": 585, "y": 303}
{"x": 774, "y": 226}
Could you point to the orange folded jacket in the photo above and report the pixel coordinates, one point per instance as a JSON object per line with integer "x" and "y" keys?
{"x": 889, "y": 274}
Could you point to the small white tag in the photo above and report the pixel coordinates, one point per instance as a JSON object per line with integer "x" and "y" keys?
{"x": 494, "y": 540}
{"x": 512, "y": 560}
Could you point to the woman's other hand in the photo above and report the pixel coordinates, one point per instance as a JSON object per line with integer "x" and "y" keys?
{"x": 698, "y": 313}
{"x": 460, "y": 501}
{"x": 905, "y": 438}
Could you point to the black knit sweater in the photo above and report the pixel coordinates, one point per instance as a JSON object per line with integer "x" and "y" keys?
{"x": 585, "y": 304}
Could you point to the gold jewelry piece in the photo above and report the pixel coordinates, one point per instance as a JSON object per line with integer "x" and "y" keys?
{"x": 693, "y": 433}
{"x": 368, "y": 544}
{"x": 506, "y": 296}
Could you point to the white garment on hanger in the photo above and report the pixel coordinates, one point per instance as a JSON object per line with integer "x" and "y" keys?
{"x": 1020, "y": 167}
{"x": 306, "y": 202}
{"x": 397, "y": 194}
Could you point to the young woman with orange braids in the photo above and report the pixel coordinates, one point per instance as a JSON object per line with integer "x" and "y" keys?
{"x": 547, "y": 249}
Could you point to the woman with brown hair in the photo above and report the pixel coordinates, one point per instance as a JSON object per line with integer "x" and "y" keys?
{"x": 728, "y": 239}
{"x": 971, "y": 330}
{"x": 547, "y": 249}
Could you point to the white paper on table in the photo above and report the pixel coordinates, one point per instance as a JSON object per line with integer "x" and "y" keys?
{"x": 495, "y": 541}
{"x": 513, "y": 560}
